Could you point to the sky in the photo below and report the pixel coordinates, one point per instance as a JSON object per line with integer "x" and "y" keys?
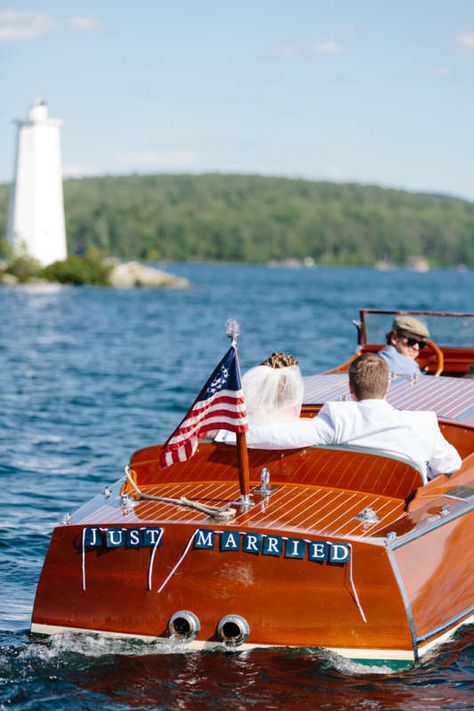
{"x": 368, "y": 91}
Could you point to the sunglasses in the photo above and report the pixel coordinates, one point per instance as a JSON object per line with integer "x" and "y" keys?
{"x": 410, "y": 341}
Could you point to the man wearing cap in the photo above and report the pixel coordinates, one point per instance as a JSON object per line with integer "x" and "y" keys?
{"x": 405, "y": 340}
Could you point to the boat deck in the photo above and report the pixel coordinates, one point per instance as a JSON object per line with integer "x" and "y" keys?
{"x": 450, "y": 398}
{"x": 293, "y": 508}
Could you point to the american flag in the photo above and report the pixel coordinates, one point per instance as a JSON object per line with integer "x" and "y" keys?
{"x": 219, "y": 405}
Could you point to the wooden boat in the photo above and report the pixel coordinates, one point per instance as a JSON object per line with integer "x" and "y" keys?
{"x": 335, "y": 548}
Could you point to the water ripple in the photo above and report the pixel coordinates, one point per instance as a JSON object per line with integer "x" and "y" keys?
{"x": 88, "y": 376}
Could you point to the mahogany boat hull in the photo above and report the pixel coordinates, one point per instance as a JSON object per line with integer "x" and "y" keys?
{"x": 405, "y": 587}
{"x": 347, "y": 550}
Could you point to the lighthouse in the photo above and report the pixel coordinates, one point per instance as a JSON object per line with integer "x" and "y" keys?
{"x": 36, "y": 216}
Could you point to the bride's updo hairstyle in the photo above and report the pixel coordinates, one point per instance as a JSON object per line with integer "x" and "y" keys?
{"x": 274, "y": 389}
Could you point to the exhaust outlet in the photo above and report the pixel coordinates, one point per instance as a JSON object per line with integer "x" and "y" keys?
{"x": 184, "y": 626}
{"x": 233, "y": 630}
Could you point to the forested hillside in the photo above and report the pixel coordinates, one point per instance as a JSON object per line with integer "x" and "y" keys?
{"x": 251, "y": 218}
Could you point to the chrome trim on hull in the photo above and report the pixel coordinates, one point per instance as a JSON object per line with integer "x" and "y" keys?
{"x": 436, "y": 631}
{"x": 405, "y": 598}
{"x": 442, "y": 521}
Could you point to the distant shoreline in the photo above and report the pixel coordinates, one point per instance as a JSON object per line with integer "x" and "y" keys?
{"x": 259, "y": 219}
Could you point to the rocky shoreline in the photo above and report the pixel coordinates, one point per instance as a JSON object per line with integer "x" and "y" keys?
{"x": 127, "y": 275}
{"x": 134, "y": 274}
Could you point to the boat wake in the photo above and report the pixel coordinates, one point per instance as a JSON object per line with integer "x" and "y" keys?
{"x": 92, "y": 645}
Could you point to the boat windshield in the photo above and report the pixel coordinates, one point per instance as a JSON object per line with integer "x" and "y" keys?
{"x": 452, "y": 330}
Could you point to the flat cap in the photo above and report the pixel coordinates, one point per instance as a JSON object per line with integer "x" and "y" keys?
{"x": 411, "y": 325}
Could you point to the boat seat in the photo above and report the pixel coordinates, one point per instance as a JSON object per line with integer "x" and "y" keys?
{"x": 362, "y": 469}
{"x": 339, "y": 467}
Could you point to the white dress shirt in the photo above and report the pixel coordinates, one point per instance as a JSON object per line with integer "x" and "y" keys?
{"x": 368, "y": 423}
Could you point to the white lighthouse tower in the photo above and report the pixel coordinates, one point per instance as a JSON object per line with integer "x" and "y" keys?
{"x": 36, "y": 217}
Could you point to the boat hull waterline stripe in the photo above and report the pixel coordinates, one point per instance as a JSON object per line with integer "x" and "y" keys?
{"x": 359, "y": 654}
{"x": 368, "y": 654}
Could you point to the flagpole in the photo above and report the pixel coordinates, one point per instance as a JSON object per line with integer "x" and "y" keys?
{"x": 233, "y": 331}
{"x": 243, "y": 466}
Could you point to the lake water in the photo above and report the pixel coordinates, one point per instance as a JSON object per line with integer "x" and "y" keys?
{"x": 89, "y": 375}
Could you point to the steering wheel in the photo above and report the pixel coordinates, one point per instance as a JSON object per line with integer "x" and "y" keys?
{"x": 436, "y": 358}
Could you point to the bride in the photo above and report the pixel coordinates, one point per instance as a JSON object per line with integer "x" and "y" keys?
{"x": 273, "y": 394}
{"x": 273, "y": 390}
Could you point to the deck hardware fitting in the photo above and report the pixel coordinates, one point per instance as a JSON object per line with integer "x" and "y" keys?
{"x": 444, "y": 510}
{"x": 107, "y": 492}
{"x": 128, "y": 504}
{"x": 67, "y": 519}
{"x": 265, "y": 488}
{"x": 391, "y": 537}
{"x": 367, "y": 516}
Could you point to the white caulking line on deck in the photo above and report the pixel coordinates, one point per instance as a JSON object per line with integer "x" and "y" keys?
{"x": 301, "y": 523}
{"x": 325, "y": 387}
{"x": 335, "y": 508}
{"x": 430, "y": 402}
{"x": 328, "y": 506}
{"x": 272, "y": 515}
{"x": 196, "y": 493}
{"x": 111, "y": 514}
{"x": 461, "y": 404}
{"x": 196, "y": 489}
{"x": 177, "y": 513}
{"x": 171, "y": 489}
{"x": 280, "y": 514}
{"x": 303, "y": 497}
{"x": 392, "y": 505}
{"x": 230, "y": 491}
{"x": 192, "y": 489}
{"x": 428, "y": 392}
{"x": 369, "y": 530}
{"x": 354, "y": 507}
{"x": 316, "y": 504}
{"x": 366, "y": 472}
{"x": 91, "y": 515}
{"x": 170, "y": 512}
{"x": 447, "y": 398}
{"x": 321, "y": 504}
{"x": 380, "y": 472}
{"x": 384, "y": 522}
{"x": 376, "y": 474}
{"x": 400, "y": 484}
{"x": 328, "y": 527}
{"x": 343, "y": 476}
{"x": 443, "y": 399}
{"x": 150, "y": 509}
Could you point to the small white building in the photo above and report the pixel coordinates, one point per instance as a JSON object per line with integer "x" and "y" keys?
{"x": 36, "y": 216}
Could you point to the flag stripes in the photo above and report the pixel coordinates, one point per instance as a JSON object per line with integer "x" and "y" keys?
{"x": 219, "y": 405}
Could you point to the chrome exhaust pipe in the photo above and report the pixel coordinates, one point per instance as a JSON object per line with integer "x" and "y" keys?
{"x": 233, "y": 630}
{"x": 184, "y": 626}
